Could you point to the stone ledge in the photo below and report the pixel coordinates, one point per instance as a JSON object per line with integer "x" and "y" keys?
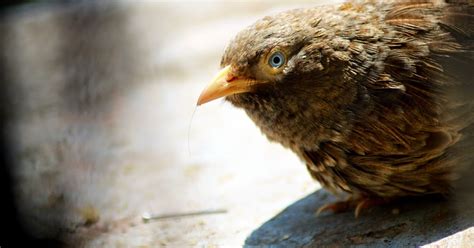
{"x": 426, "y": 221}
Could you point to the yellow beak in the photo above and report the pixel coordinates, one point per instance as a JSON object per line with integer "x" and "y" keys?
{"x": 224, "y": 84}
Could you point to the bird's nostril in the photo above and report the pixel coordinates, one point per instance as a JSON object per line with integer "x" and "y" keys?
{"x": 229, "y": 77}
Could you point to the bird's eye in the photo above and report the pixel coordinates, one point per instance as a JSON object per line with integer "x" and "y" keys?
{"x": 276, "y": 60}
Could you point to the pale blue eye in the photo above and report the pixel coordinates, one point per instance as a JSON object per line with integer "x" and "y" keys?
{"x": 276, "y": 60}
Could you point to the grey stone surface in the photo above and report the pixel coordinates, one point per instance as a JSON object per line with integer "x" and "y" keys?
{"x": 408, "y": 223}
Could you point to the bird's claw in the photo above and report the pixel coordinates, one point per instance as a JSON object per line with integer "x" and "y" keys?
{"x": 357, "y": 204}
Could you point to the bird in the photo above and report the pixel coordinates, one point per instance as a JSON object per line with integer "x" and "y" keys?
{"x": 375, "y": 97}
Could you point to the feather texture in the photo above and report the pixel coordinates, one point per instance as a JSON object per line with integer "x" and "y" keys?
{"x": 377, "y": 98}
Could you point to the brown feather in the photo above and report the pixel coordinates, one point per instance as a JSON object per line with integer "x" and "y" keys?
{"x": 377, "y": 98}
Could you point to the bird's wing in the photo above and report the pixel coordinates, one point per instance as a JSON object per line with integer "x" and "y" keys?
{"x": 420, "y": 127}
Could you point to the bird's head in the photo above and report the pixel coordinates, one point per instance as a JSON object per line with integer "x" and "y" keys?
{"x": 278, "y": 52}
{"x": 284, "y": 65}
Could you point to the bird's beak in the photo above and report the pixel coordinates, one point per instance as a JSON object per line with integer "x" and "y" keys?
{"x": 225, "y": 84}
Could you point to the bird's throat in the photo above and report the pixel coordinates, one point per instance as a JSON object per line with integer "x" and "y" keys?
{"x": 293, "y": 122}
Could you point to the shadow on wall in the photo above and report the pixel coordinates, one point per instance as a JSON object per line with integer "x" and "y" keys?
{"x": 62, "y": 67}
{"x": 419, "y": 222}
{"x": 13, "y": 232}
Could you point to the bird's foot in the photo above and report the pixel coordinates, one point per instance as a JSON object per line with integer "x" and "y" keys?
{"x": 358, "y": 204}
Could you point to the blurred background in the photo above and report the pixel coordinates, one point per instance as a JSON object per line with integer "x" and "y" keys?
{"x": 100, "y": 126}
